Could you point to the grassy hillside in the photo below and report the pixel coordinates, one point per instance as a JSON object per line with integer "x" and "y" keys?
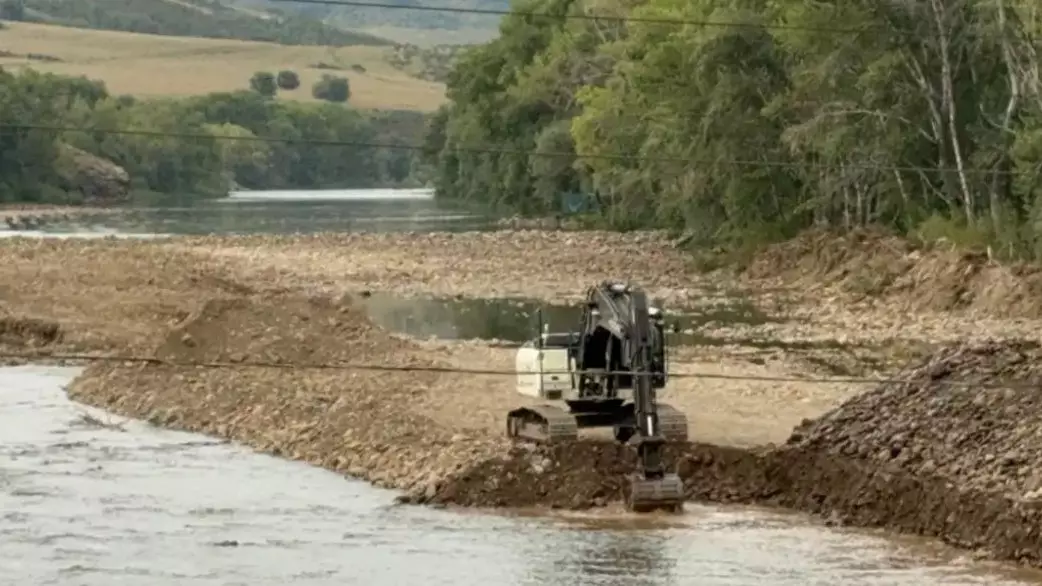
{"x": 475, "y": 25}
{"x": 196, "y": 18}
{"x": 156, "y": 65}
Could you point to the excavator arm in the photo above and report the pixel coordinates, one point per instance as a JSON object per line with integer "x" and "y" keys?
{"x": 617, "y": 326}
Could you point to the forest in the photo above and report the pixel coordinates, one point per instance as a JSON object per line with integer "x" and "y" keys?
{"x": 741, "y": 122}
{"x": 199, "y": 146}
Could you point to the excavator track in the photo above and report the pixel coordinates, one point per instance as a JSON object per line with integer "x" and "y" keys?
{"x": 672, "y": 423}
{"x": 646, "y": 495}
{"x": 544, "y": 424}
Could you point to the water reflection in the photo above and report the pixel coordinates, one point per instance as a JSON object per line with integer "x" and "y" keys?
{"x": 620, "y": 559}
{"x": 303, "y": 195}
{"x": 282, "y": 212}
{"x": 516, "y": 320}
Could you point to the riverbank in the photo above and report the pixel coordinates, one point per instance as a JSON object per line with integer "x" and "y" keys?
{"x": 810, "y": 302}
{"x": 177, "y": 509}
{"x": 282, "y": 300}
{"x": 27, "y": 216}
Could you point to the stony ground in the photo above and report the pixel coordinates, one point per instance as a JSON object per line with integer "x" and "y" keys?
{"x": 368, "y": 424}
{"x": 954, "y": 418}
{"x": 282, "y": 300}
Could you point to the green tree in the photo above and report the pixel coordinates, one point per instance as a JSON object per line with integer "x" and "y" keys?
{"x": 288, "y": 80}
{"x": 745, "y": 134}
{"x": 263, "y": 82}
{"x": 332, "y": 89}
{"x": 187, "y": 148}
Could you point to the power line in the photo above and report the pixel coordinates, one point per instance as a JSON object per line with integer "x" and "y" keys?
{"x": 576, "y": 16}
{"x": 750, "y": 163}
{"x": 29, "y": 356}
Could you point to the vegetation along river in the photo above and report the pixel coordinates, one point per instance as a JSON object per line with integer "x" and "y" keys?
{"x": 89, "y": 499}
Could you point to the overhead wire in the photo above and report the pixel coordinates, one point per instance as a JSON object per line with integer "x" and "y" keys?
{"x": 243, "y": 364}
{"x": 523, "y": 152}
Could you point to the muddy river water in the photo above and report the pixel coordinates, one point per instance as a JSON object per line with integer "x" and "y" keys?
{"x": 89, "y": 500}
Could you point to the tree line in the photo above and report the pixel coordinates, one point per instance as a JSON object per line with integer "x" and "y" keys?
{"x": 332, "y": 88}
{"x": 924, "y": 117}
{"x": 181, "y": 147}
{"x": 189, "y": 18}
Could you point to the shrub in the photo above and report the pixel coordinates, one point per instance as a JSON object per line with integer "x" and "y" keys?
{"x": 263, "y": 82}
{"x": 332, "y": 89}
{"x": 288, "y": 80}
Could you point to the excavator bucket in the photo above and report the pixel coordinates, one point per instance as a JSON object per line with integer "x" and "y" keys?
{"x": 646, "y": 495}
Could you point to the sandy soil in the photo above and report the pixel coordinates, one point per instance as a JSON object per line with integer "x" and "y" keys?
{"x": 720, "y": 410}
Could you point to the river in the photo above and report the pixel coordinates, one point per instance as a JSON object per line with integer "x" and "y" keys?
{"x": 86, "y": 499}
{"x": 276, "y": 212}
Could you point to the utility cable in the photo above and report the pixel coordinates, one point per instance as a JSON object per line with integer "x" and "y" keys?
{"x": 795, "y": 165}
{"x": 244, "y": 364}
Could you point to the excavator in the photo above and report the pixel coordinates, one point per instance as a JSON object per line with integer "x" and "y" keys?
{"x": 606, "y": 374}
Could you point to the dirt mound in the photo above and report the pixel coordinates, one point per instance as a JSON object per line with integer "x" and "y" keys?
{"x": 868, "y": 263}
{"x": 982, "y": 438}
{"x": 841, "y": 489}
{"x": 588, "y": 474}
{"x": 364, "y": 423}
{"x": 282, "y": 329}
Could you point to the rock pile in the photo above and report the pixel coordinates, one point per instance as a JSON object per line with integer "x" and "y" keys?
{"x": 978, "y": 436}
{"x": 364, "y": 423}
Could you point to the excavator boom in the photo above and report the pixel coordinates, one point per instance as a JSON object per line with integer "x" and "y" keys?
{"x": 623, "y": 312}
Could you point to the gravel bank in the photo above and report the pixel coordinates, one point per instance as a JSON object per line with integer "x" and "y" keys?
{"x": 366, "y": 424}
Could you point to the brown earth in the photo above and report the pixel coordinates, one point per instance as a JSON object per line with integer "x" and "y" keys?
{"x": 843, "y": 491}
{"x": 877, "y": 268}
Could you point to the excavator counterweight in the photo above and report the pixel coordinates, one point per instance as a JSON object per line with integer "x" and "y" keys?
{"x": 606, "y": 375}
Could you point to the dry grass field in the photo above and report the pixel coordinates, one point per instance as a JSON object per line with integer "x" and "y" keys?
{"x": 153, "y": 65}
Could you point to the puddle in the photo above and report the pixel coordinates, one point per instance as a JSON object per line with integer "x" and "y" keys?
{"x": 516, "y": 320}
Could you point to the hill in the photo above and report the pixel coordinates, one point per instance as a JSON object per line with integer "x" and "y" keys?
{"x": 128, "y": 62}
{"x": 194, "y": 18}
{"x": 403, "y": 25}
